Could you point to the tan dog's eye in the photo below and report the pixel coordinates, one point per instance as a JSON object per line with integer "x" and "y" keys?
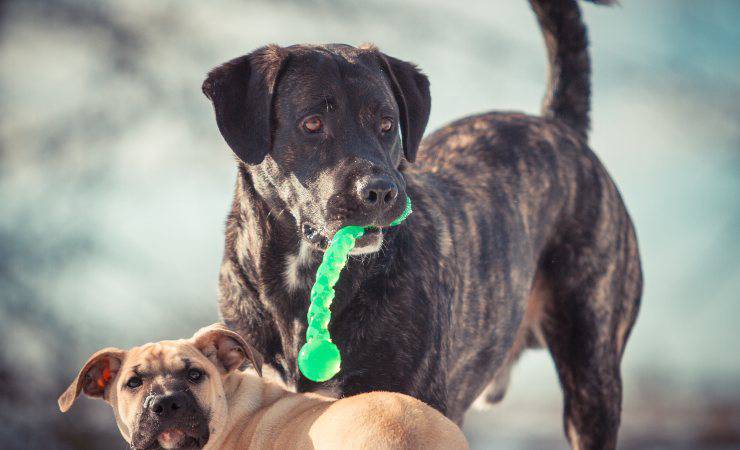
{"x": 134, "y": 382}
{"x": 195, "y": 375}
{"x": 386, "y": 123}
{"x": 313, "y": 124}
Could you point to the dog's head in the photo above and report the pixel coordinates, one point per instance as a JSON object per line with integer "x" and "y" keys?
{"x": 168, "y": 394}
{"x": 322, "y": 131}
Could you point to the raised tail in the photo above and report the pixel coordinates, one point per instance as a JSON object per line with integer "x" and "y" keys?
{"x": 568, "y": 96}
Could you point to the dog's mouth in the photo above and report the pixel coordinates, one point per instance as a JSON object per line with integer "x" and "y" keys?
{"x": 372, "y": 238}
{"x": 173, "y": 437}
{"x": 178, "y": 438}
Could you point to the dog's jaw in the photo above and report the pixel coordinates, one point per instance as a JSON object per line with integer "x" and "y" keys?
{"x": 176, "y": 437}
{"x": 369, "y": 243}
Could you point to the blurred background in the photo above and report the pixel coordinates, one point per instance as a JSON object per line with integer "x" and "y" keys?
{"x": 115, "y": 183}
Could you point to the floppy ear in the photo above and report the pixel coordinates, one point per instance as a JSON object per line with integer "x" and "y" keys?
{"x": 242, "y": 93}
{"x": 96, "y": 376}
{"x": 225, "y": 348}
{"x": 411, "y": 89}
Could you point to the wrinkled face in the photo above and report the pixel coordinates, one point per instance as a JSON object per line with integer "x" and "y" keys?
{"x": 337, "y": 147}
{"x": 168, "y": 394}
{"x": 165, "y": 396}
{"x": 322, "y": 132}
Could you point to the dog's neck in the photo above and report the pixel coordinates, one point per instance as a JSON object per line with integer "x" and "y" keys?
{"x": 263, "y": 236}
{"x": 259, "y": 217}
{"x": 247, "y": 392}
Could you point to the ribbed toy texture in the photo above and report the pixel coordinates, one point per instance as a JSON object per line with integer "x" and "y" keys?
{"x": 319, "y": 359}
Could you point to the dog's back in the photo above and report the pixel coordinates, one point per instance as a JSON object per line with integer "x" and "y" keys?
{"x": 375, "y": 420}
{"x": 385, "y": 420}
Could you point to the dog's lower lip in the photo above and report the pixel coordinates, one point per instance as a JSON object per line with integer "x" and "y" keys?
{"x": 316, "y": 238}
{"x": 171, "y": 437}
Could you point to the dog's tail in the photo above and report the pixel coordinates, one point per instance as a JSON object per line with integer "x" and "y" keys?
{"x": 568, "y": 96}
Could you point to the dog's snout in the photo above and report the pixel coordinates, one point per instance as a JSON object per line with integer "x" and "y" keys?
{"x": 169, "y": 406}
{"x": 377, "y": 192}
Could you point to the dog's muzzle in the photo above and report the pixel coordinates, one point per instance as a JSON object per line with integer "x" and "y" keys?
{"x": 171, "y": 421}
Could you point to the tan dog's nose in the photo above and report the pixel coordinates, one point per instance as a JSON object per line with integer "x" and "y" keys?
{"x": 169, "y": 406}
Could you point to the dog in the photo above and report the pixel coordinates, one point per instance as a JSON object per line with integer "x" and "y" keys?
{"x": 189, "y": 393}
{"x": 519, "y": 237}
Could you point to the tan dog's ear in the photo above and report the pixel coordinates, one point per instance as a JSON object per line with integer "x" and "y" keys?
{"x": 225, "y": 348}
{"x": 96, "y": 375}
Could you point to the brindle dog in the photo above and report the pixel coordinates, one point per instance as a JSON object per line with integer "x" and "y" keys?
{"x": 519, "y": 237}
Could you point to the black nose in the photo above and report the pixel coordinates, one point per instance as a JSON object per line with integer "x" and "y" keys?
{"x": 377, "y": 192}
{"x": 169, "y": 406}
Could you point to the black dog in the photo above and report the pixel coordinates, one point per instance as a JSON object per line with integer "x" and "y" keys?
{"x": 519, "y": 237}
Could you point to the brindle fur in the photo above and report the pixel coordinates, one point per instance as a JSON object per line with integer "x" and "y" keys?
{"x": 519, "y": 238}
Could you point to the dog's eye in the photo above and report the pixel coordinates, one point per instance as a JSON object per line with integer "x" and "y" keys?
{"x": 386, "y": 123}
{"x": 195, "y": 374}
{"x": 313, "y": 124}
{"x": 134, "y": 382}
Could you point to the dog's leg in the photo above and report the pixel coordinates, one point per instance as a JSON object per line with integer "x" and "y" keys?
{"x": 595, "y": 297}
{"x": 588, "y": 367}
{"x": 528, "y": 336}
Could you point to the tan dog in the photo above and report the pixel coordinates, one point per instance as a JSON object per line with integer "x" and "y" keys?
{"x": 189, "y": 393}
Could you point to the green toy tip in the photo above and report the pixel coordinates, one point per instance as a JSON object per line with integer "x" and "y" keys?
{"x": 406, "y": 212}
{"x": 319, "y": 360}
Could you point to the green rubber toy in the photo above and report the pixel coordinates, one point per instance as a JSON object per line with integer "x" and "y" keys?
{"x": 319, "y": 358}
